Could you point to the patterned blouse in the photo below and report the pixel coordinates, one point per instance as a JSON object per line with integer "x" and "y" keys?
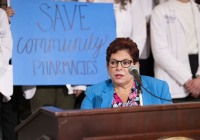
{"x": 133, "y": 99}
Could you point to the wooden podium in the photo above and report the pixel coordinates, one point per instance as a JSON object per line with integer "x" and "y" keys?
{"x": 143, "y": 123}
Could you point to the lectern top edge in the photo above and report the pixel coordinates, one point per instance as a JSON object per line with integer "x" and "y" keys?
{"x": 76, "y": 112}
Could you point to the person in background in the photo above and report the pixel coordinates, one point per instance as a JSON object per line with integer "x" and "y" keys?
{"x": 146, "y": 58}
{"x": 175, "y": 42}
{"x": 122, "y": 89}
{"x": 130, "y": 20}
{"x": 61, "y": 96}
{"x": 34, "y": 97}
{"x": 8, "y": 111}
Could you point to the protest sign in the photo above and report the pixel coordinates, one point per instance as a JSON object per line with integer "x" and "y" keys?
{"x": 58, "y": 43}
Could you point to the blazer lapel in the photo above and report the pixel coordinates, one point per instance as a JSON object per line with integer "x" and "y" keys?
{"x": 107, "y": 95}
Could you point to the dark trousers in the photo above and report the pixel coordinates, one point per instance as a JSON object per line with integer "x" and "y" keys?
{"x": 12, "y": 112}
{"x": 146, "y": 66}
{"x": 9, "y": 119}
{"x": 194, "y": 63}
{"x": 55, "y": 96}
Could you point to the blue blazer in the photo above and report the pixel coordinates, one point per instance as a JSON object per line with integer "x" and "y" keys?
{"x": 100, "y": 95}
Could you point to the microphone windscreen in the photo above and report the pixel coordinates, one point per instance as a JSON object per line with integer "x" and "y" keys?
{"x": 134, "y": 71}
{"x": 132, "y": 68}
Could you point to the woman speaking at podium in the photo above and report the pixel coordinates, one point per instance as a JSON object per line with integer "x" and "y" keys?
{"x": 125, "y": 86}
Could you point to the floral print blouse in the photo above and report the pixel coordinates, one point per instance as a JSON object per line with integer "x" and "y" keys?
{"x": 133, "y": 99}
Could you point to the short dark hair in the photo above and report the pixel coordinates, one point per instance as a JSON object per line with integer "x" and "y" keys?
{"x": 123, "y": 44}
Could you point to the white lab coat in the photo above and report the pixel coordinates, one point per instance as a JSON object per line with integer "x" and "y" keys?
{"x": 169, "y": 46}
{"x": 6, "y": 44}
{"x": 130, "y": 22}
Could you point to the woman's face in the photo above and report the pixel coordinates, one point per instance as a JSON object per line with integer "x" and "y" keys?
{"x": 119, "y": 75}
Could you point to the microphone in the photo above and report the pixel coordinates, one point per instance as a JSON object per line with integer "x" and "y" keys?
{"x": 134, "y": 71}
